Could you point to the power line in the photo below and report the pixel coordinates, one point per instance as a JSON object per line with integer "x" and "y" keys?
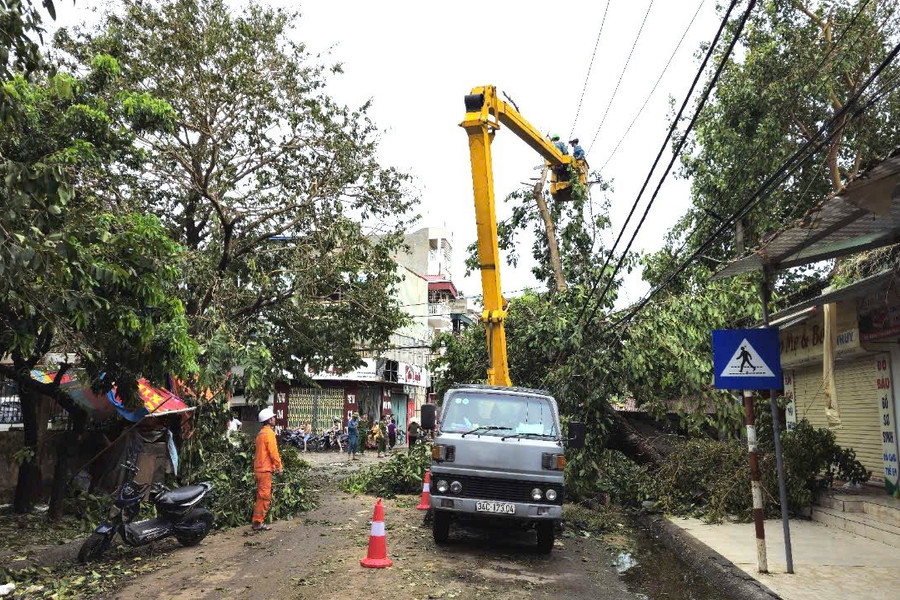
{"x": 658, "y": 80}
{"x": 590, "y": 66}
{"x": 700, "y": 105}
{"x": 621, "y": 75}
{"x": 659, "y": 154}
{"x": 732, "y": 183}
{"x": 779, "y": 176}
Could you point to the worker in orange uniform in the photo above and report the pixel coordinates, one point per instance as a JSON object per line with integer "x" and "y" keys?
{"x": 266, "y": 461}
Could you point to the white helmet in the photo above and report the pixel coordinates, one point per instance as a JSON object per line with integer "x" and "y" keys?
{"x": 266, "y": 414}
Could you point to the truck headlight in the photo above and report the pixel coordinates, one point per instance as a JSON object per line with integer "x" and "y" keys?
{"x": 536, "y": 494}
{"x": 551, "y": 495}
{"x": 442, "y": 486}
{"x": 456, "y": 487}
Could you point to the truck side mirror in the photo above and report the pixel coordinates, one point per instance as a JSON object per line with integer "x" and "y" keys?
{"x": 577, "y": 433}
{"x": 428, "y": 414}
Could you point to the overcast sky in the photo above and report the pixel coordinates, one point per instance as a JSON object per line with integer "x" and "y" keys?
{"x": 416, "y": 60}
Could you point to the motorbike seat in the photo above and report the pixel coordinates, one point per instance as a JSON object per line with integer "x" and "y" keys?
{"x": 182, "y": 495}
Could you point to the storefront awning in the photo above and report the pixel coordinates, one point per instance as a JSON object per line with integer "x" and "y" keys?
{"x": 865, "y": 215}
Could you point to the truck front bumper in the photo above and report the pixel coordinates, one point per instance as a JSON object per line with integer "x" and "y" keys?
{"x": 524, "y": 511}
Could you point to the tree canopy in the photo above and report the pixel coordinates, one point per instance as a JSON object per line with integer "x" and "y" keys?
{"x": 274, "y": 189}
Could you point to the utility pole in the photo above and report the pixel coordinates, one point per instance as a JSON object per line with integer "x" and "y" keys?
{"x": 555, "y": 262}
{"x": 755, "y": 485}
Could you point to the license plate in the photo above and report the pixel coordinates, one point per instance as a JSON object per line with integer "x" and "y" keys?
{"x": 503, "y": 508}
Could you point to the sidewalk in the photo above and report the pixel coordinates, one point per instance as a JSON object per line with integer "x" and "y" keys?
{"x": 828, "y": 563}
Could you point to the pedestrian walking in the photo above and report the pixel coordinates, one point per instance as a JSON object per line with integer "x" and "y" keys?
{"x": 363, "y": 434}
{"x": 412, "y": 435}
{"x": 352, "y": 434}
{"x": 380, "y": 437}
{"x": 392, "y": 433}
{"x": 265, "y": 462}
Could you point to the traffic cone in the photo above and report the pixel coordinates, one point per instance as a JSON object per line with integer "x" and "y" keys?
{"x": 376, "y": 557}
{"x": 425, "y": 502}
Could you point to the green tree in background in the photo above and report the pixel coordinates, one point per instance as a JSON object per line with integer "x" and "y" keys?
{"x": 274, "y": 190}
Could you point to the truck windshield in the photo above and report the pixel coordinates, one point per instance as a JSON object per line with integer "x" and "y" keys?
{"x": 510, "y": 415}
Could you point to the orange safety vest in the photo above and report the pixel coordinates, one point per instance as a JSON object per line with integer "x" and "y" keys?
{"x": 267, "y": 458}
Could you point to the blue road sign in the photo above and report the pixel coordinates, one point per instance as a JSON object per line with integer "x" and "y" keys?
{"x": 747, "y": 359}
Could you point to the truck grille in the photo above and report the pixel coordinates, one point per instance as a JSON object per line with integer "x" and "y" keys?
{"x": 510, "y": 490}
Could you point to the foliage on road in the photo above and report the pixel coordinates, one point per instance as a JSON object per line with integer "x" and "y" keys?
{"x": 230, "y": 469}
{"x": 72, "y": 582}
{"x": 709, "y": 478}
{"x": 611, "y": 475}
{"x": 402, "y": 473}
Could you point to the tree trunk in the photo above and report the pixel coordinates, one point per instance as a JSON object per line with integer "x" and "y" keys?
{"x": 68, "y": 442}
{"x": 629, "y": 441}
{"x": 555, "y": 261}
{"x": 28, "y": 484}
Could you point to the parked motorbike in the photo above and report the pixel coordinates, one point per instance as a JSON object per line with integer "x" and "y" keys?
{"x": 179, "y": 514}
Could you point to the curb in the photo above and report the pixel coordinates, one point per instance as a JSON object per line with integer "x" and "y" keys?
{"x": 721, "y": 572}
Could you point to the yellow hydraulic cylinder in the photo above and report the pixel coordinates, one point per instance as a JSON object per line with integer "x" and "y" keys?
{"x": 488, "y": 250}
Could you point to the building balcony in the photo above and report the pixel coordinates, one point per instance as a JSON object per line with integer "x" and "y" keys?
{"x": 439, "y": 315}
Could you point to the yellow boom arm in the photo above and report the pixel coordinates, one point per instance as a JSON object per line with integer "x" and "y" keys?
{"x": 485, "y": 113}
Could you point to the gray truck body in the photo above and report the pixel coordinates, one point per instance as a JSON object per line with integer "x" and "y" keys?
{"x": 498, "y": 471}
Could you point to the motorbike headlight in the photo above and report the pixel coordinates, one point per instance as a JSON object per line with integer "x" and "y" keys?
{"x": 536, "y": 494}
{"x": 442, "y": 486}
{"x": 551, "y": 495}
{"x": 456, "y": 487}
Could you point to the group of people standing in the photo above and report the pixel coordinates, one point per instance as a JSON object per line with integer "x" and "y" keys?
{"x": 364, "y": 432}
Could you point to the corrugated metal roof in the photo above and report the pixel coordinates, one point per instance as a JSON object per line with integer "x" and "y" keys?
{"x": 864, "y": 215}
{"x": 885, "y": 279}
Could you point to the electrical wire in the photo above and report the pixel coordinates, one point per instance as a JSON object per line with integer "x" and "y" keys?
{"x": 675, "y": 153}
{"x": 659, "y": 154}
{"x": 779, "y": 176}
{"x": 590, "y": 67}
{"x": 818, "y": 67}
{"x": 655, "y": 85}
{"x": 621, "y": 76}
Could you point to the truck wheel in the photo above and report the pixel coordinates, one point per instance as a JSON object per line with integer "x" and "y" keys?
{"x": 545, "y": 535}
{"x": 440, "y": 526}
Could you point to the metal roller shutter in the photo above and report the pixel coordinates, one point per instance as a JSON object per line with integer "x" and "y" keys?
{"x": 857, "y": 396}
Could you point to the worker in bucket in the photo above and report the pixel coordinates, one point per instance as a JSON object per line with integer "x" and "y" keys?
{"x": 559, "y": 144}
{"x": 577, "y": 151}
{"x": 266, "y": 462}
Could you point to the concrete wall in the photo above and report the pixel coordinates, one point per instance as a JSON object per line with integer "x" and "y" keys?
{"x": 422, "y": 258}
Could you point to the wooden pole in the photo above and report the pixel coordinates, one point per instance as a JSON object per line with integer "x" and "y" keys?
{"x": 755, "y": 486}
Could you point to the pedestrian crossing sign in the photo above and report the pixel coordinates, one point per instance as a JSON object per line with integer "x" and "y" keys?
{"x": 747, "y": 359}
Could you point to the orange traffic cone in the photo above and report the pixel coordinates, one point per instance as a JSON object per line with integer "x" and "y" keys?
{"x": 377, "y": 557}
{"x": 425, "y": 502}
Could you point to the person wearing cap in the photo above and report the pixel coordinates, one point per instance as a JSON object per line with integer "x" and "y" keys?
{"x": 558, "y": 143}
{"x": 577, "y": 151}
{"x": 265, "y": 462}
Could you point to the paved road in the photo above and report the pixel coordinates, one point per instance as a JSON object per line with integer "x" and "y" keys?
{"x": 317, "y": 556}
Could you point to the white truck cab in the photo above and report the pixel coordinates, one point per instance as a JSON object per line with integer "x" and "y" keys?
{"x": 499, "y": 453}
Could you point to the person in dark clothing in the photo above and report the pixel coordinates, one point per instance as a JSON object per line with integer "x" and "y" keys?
{"x": 412, "y": 436}
{"x": 577, "y": 151}
{"x": 392, "y": 433}
{"x": 363, "y": 434}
